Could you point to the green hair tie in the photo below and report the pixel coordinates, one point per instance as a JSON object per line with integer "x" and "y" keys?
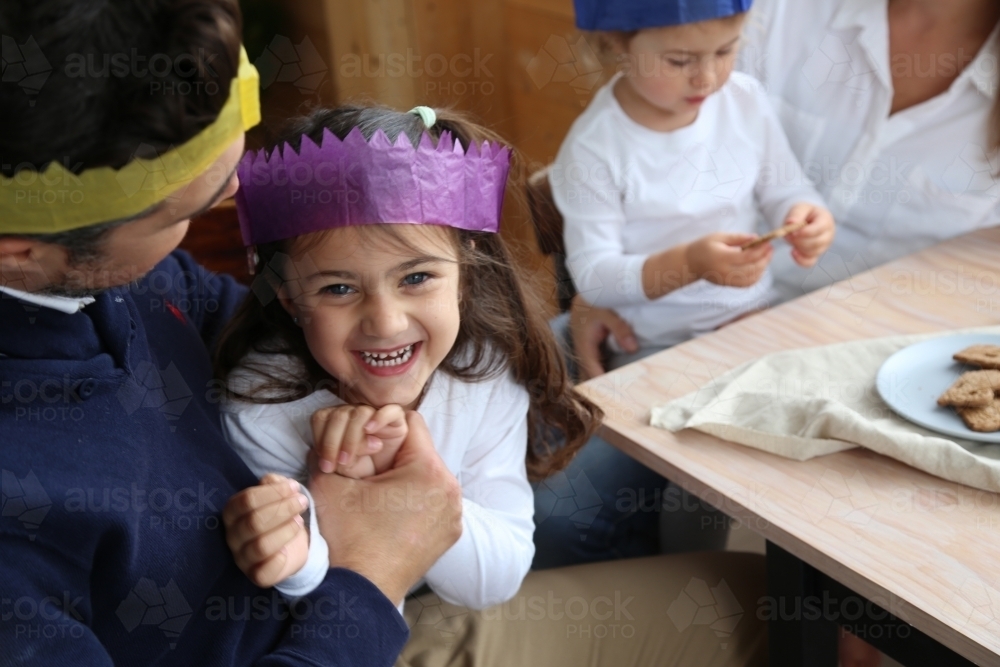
{"x": 428, "y": 115}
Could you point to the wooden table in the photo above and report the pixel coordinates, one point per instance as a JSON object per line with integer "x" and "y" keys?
{"x": 923, "y": 548}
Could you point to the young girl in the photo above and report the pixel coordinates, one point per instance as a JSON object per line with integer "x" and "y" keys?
{"x": 383, "y": 287}
{"x": 663, "y": 178}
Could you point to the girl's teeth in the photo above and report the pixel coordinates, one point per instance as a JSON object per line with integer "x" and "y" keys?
{"x": 380, "y": 359}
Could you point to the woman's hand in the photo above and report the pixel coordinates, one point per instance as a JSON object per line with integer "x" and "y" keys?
{"x": 589, "y": 327}
{"x": 265, "y": 530}
{"x": 357, "y": 440}
{"x": 812, "y": 240}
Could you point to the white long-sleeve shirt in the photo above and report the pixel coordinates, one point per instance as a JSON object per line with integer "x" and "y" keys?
{"x": 480, "y": 430}
{"x": 626, "y": 192}
{"x": 895, "y": 184}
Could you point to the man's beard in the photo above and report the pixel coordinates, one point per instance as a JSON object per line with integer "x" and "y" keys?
{"x": 70, "y": 292}
{"x": 79, "y": 280}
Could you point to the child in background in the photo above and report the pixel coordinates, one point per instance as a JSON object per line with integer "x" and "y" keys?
{"x": 384, "y": 287}
{"x": 662, "y": 180}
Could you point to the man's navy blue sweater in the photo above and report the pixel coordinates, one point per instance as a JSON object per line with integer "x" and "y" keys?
{"x": 114, "y": 474}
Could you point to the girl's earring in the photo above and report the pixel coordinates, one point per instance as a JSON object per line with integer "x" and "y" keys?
{"x": 295, "y": 321}
{"x": 252, "y": 260}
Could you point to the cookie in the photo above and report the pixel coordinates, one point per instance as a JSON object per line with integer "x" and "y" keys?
{"x": 972, "y": 389}
{"x": 773, "y": 234}
{"x": 985, "y": 419}
{"x": 984, "y": 356}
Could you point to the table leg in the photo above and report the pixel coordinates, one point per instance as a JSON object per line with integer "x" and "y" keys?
{"x": 797, "y": 637}
{"x": 806, "y": 609}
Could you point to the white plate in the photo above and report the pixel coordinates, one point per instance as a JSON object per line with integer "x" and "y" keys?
{"x": 911, "y": 380}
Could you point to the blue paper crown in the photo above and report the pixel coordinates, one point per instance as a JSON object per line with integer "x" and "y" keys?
{"x": 639, "y": 14}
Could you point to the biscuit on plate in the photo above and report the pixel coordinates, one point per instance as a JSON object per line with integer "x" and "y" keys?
{"x": 972, "y": 389}
{"x": 984, "y": 356}
{"x": 984, "y": 419}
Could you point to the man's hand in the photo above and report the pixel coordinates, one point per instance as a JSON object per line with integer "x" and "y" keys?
{"x": 812, "y": 240}
{"x": 392, "y": 527}
{"x": 265, "y": 530}
{"x": 589, "y": 327}
{"x": 360, "y": 439}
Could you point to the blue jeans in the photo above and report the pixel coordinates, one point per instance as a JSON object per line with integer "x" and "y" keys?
{"x": 607, "y": 505}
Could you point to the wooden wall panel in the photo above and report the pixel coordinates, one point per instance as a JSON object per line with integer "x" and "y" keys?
{"x": 519, "y": 66}
{"x": 553, "y": 72}
{"x": 308, "y": 16}
{"x": 408, "y": 52}
{"x": 363, "y": 36}
{"x": 560, "y": 8}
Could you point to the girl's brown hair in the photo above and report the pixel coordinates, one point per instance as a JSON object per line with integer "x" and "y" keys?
{"x": 501, "y": 322}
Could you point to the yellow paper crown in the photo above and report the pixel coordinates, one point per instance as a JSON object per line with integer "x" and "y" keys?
{"x": 58, "y": 200}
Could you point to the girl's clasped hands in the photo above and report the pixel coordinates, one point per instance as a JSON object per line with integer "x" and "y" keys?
{"x": 265, "y": 528}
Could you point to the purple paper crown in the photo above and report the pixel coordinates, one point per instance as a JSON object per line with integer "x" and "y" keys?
{"x": 359, "y": 182}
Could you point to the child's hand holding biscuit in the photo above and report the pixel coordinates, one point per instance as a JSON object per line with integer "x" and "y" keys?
{"x": 815, "y": 236}
{"x": 720, "y": 259}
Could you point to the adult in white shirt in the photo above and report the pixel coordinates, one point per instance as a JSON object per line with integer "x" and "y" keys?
{"x": 888, "y": 104}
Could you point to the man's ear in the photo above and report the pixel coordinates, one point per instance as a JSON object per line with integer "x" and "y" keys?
{"x": 17, "y": 249}
{"x": 20, "y": 255}
{"x": 29, "y": 263}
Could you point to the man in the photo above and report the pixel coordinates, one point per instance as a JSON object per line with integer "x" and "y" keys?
{"x": 114, "y": 466}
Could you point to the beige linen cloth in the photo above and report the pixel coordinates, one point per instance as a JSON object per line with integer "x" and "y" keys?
{"x": 810, "y": 402}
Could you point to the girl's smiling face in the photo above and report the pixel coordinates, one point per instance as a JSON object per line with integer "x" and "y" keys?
{"x": 378, "y": 307}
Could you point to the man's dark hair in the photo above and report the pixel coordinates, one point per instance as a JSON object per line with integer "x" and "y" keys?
{"x": 128, "y": 78}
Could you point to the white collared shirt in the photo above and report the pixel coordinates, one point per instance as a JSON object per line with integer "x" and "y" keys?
{"x": 895, "y": 184}
{"x": 63, "y": 304}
